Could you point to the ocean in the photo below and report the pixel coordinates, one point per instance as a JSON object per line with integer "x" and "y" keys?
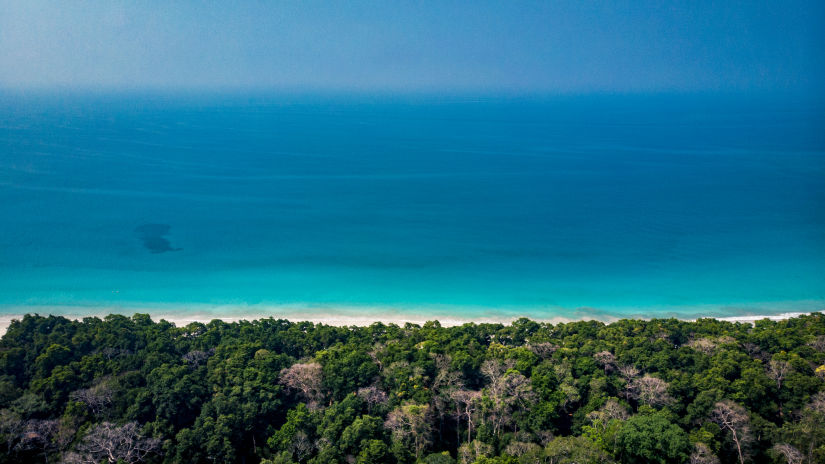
{"x": 411, "y": 207}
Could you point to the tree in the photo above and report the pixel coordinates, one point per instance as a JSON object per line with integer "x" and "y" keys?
{"x": 702, "y": 454}
{"x": 527, "y": 393}
{"x": 11, "y": 428}
{"x": 807, "y": 434}
{"x": 543, "y": 350}
{"x": 411, "y": 422}
{"x": 466, "y": 403}
{"x": 38, "y": 435}
{"x": 373, "y": 396}
{"x": 652, "y": 439}
{"x": 363, "y": 428}
{"x": 471, "y": 451}
{"x": 648, "y": 390}
{"x": 114, "y": 444}
{"x": 606, "y": 422}
{"x": 629, "y": 372}
{"x": 305, "y": 378}
{"x": 789, "y": 453}
{"x": 778, "y": 370}
{"x": 97, "y": 397}
{"x": 507, "y": 391}
{"x": 575, "y": 450}
{"x": 521, "y": 449}
{"x": 299, "y": 421}
{"x": 606, "y": 360}
{"x": 733, "y": 418}
{"x": 196, "y": 357}
{"x": 373, "y": 452}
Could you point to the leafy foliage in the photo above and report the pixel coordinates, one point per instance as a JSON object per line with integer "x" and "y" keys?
{"x": 127, "y": 389}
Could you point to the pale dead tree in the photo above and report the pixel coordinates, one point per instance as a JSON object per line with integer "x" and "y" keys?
{"x": 649, "y": 390}
{"x": 444, "y": 381}
{"x": 818, "y": 343}
{"x": 519, "y": 396}
{"x": 703, "y": 345}
{"x": 444, "y": 376}
{"x": 466, "y": 404}
{"x": 306, "y": 379}
{"x": 733, "y": 418}
{"x": 520, "y": 448}
{"x": 817, "y": 403}
{"x": 110, "y": 353}
{"x": 73, "y": 457}
{"x": 544, "y": 437}
{"x": 411, "y": 422}
{"x": 702, "y": 454}
{"x": 629, "y": 372}
{"x": 507, "y": 391}
{"x": 611, "y": 410}
{"x": 778, "y": 370}
{"x": 322, "y": 444}
{"x": 709, "y": 346}
{"x": 301, "y": 446}
{"x": 373, "y": 396}
{"x": 196, "y": 357}
{"x": 790, "y": 453}
{"x": 755, "y": 351}
{"x": 375, "y": 353}
{"x": 543, "y": 350}
{"x": 38, "y": 435}
{"x": 97, "y": 398}
{"x": 494, "y": 371}
{"x": 473, "y": 451}
{"x": 606, "y": 360}
{"x": 113, "y": 444}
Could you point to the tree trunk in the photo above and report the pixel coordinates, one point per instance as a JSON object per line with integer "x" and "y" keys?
{"x": 738, "y": 448}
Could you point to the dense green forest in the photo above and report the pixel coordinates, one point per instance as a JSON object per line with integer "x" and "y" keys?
{"x": 127, "y": 389}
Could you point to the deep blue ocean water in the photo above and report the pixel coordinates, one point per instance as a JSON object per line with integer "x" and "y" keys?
{"x": 418, "y": 207}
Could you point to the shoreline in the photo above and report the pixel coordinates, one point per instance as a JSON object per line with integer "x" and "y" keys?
{"x": 345, "y": 320}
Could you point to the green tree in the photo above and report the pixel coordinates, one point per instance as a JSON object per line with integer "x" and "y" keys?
{"x": 654, "y": 439}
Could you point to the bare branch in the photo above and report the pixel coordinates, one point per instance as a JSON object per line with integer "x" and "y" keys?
{"x": 305, "y": 378}
{"x": 606, "y": 360}
{"x": 112, "y": 443}
{"x": 97, "y": 397}
{"x": 791, "y": 454}
{"x": 649, "y": 390}
{"x": 733, "y": 418}
{"x": 702, "y": 454}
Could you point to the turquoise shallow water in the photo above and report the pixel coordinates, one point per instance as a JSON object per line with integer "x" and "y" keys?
{"x": 300, "y": 206}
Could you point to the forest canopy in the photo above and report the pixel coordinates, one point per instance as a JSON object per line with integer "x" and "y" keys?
{"x": 128, "y": 389}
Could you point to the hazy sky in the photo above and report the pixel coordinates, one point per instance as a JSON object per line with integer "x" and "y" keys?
{"x": 477, "y": 46}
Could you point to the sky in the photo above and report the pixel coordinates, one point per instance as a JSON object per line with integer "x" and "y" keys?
{"x": 547, "y": 47}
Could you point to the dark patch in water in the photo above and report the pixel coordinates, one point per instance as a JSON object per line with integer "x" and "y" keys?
{"x": 152, "y": 236}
